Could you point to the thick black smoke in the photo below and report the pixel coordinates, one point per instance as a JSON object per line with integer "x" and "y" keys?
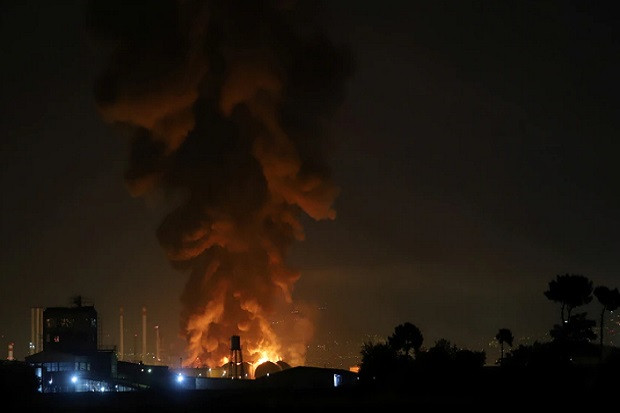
{"x": 228, "y": 105}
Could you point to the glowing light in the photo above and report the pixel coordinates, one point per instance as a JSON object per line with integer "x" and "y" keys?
{"x": 73, "y": 379}
{"x": 180, "y": 378}
{"x": 265, "y": 355}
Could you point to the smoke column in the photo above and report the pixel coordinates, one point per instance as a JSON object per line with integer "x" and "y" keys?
{"x": 227, "y": 105}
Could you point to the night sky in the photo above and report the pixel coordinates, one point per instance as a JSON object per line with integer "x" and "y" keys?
{"x": 475, "y": 151}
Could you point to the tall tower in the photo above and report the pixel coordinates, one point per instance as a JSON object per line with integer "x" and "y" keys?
{"x": 144, "y": 334}
{"x": 157, "y": 345}
{"x": 36, "y": 330}
{"x": 33, "y": 334}
{"x": 121, "y": 345}
{"x": 10, "y": 356}
{"x": 236, "y": 369}
{"x": 135, "y": 348}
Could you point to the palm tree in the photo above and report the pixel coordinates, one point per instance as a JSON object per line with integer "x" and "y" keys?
{"x": 610, "y": 300}
{"x": 570, "y": 290}
{"x": 504, "y": 336}
{"x": 405, "y": 338}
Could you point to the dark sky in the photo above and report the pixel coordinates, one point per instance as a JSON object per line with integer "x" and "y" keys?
{"x": 475, "y": 151}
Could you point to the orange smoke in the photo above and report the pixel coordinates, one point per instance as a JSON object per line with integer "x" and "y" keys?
{"x": 227, "y": 107}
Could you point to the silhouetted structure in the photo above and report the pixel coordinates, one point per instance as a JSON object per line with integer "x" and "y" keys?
{"x": 236, "y": 368}
{"x": 72, "y": 362}
{"x": 70, "y": 329}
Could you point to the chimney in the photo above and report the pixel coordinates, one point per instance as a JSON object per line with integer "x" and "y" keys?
{"x": 121, "y": 349}
{"x": 40, "y": 328}
{"x": 143, "y": 334}
{"x": 33, "y": 335}
{"x": 10, "y": 357}
{"x": 157, "y": 344}
{"x": 36, "y": 330}
{"x": 135, "y": 348}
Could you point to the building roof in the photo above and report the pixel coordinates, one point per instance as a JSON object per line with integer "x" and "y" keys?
{"x": 50, "y": 356}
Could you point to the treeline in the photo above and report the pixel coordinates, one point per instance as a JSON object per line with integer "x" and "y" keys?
{"x": 401, "y": 359}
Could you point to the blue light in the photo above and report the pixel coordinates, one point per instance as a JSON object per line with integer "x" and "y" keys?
{"x": 180, "y": 378}
{"x": 73, "y": 379}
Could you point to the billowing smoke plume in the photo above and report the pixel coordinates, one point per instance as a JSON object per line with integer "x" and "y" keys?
{"x": 228, "y": 106}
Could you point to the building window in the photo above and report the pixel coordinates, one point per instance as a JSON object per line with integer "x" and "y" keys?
{"x": 65, "y": 366}
{"x": 51, "y": 366}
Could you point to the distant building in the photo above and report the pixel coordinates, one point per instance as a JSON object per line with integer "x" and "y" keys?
{"x": 72, "y": 362}
{"x": 304, "y": 377}
{"x": 70, "y": 329}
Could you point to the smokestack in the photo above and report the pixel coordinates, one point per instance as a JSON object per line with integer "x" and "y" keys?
{"x": 10, "y": 357}
{"x": 135, "y": 347}
{"x": 143, "y": 334}
{"x": 36, "y": 330}
{"x": 40, "y": 328}
{"x": 157, "y": 344}
{"x": 31, "y": 345}
{"x": 121, "y": 351}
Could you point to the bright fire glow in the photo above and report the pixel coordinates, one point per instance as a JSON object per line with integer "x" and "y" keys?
{"x": 261, "y": 339}
{"x": 266, "y": 355}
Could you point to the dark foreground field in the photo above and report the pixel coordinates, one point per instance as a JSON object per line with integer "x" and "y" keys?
{"x": 220, "y": 400}
{"x": 488, "y": 391}
{"x": 296, "y": 400}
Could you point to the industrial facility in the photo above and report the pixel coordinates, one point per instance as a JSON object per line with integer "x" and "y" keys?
{"x": 66, "y": 357}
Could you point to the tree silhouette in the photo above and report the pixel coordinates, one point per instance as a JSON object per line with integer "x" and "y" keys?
{"x": 504, "y": 336}
{"x": 379, "y": 362}
{"x": 405, "y": 338}
{"x": 578, "y": 329}
{"x": 570, "y": 290}
{"x": 610, "y": 300}
{"x": 441, "y": 355}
